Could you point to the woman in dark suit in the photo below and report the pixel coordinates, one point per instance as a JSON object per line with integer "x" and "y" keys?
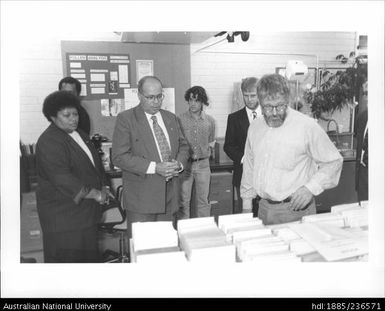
{"x": 71, "y": 184}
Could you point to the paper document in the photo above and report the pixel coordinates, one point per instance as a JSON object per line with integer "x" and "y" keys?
{"x": 157, "y": 234}
{"x": 331, "y": 242}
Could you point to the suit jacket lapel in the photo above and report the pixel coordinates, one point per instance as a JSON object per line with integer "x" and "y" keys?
{"x": 94, "y": 152}
{"x": 244, "y": 120}
{"x": 146, "y": 132}
{"x": 171, "y": 133}
{"x": 81, "y": 152}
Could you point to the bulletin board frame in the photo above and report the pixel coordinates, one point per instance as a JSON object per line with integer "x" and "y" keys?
{"x": 102, "y": 75}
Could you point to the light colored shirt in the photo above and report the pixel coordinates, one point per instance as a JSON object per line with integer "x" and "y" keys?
{"x": 251, "y": 118}
{"x": 76, "y": 137}
{"x": 151, "y": 167}
{"x": 250, "y": 113}
{"x": 199, "y": 132}
{"x": 280, "y": 160}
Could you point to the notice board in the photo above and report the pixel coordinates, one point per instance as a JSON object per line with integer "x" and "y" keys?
{"x": 101, "y": 75}
{"x": 171, "y": 64}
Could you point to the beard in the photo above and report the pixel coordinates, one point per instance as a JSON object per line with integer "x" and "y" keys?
{"x": 275, "y": 121}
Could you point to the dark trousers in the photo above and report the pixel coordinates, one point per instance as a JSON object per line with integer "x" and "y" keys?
{"x": 362, "y": 189}
{"x": 79, "y": 246}
{"x": 237, "y": 209}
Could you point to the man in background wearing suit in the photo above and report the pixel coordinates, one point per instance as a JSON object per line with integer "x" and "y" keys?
{"x": 149, "y": 146}
{"x": 362, "y": 156}
{"x": 74, "y": 86}
{"x": 236, "y": 133}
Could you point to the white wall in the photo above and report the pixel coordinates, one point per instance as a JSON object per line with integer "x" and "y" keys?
{"x": 41, "y": 67}
{"x": 40, "y": 71}
{"x": 217, "y": 67}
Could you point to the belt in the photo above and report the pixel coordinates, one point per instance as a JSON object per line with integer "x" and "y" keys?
{"x": 287, "y": 200}
{"x": 196, "y": 160}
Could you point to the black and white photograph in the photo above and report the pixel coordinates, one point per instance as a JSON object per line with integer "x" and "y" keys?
{"x": 148, "y": 152}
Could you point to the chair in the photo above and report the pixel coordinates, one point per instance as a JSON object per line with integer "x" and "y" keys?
{"x": 114, "y": 221}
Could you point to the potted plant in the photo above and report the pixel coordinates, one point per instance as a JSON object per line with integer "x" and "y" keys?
{"x": 338, "y": 89}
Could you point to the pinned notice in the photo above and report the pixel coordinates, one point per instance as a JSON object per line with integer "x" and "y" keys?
{"x": 98, "y": 77}
{"x": 97, "y": 90}
{"x": 123, "y": 73}
{"x": 75, "y": 65}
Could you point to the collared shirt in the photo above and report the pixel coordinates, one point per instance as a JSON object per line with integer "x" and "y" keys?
{"x": 151, "y": 167}
{"x": 76, "y": 137}
{"x": 250, "y": 116}
{"x": 280, "y": 160}
{"x": 249, "y": 112}
{"x": 199, "y": 132}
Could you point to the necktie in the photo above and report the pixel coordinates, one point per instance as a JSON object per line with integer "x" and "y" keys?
{"x": 254, "y": 115}
{"x": 165, "y": 150}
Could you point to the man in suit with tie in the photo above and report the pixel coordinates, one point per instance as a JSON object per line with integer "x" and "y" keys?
{"x": 149, "y": 147}
{"x": 362, "y": 155}
{"x": 236, "y": 133}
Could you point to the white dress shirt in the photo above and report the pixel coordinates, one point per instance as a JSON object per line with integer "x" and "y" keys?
{"x": 250, "y": 113}
{"x": 280, "y": 160}
{"x": 250, "y": 116}
{"x": 76, "y": 137}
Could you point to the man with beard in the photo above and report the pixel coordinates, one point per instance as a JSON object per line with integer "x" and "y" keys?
{"x": 288, "y": 158}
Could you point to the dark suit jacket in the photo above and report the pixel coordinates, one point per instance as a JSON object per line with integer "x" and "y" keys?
{"x": 235, "y": 139}
{"x": 84, "y": 120}
{"x": 133, "y": 148}
{"x": 361, "y": 171}
{"x": 63, "y": 169}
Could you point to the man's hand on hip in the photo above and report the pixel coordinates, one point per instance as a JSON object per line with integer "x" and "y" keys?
{"x": 300, "y": 199}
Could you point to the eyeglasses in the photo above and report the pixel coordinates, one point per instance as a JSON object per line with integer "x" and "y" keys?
{"x": 159, "y": 97}
{"x": 279, "y": 108}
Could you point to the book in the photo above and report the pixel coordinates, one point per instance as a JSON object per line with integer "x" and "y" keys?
{"x": 330, "y": 218}
{"x": 250, "y": 251}
{"x": 279, "y": 256}
{"x": 162, "y": 258}
{"x": 344, "y": 207}
{"x": 216, "y": 255}
{"x": 208, "y": 237}
{"x": 153, "y": 234}
{"x": 332, "y": 242}
{"x": 260, "y": 245}
{"x": 356, "y": 217}
{"x": 230, "y": 233}
{"x": 225, "y": 219}
{"x": 191, "y": 223}
{"x": 286, "y": 234}
{"x": 301, "y": 247}
{"x": 251, "y": 234}
{"x": 228, "y": 226}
